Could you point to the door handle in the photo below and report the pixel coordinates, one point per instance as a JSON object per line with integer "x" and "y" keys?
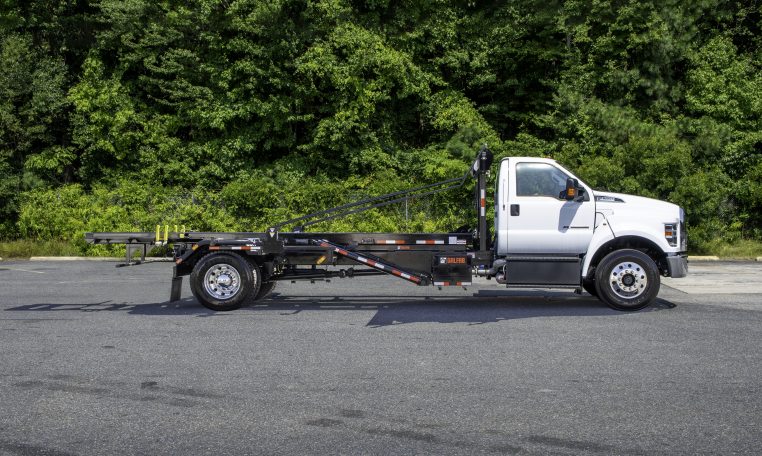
{"x": 515, "y": 210}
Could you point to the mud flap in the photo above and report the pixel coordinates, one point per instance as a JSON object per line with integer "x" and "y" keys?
{"x": 177, "y": 288}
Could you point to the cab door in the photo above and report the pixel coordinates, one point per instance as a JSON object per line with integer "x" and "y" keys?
{"x": 539, "y": 219}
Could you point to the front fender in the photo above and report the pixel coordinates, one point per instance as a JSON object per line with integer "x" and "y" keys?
{"x": 601, "y": 236}
{"x": 632, "y": 238}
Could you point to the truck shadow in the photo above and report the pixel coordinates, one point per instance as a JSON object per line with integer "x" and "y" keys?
{"x": 479, "y": 308}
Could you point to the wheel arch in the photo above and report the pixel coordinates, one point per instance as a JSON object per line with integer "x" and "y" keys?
{"x": 640, "y": 243}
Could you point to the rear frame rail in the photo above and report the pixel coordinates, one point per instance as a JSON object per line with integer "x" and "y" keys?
{"x": 376, "y": 263}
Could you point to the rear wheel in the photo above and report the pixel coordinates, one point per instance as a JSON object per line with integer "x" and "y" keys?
{"x": 627, "y": 280}
{"x": 265, "y": 290}
{"x": 224, "y": 281}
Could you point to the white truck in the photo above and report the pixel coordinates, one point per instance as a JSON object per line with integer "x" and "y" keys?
{"x": 552, "y": 228}
{"x": 551, "y": 231}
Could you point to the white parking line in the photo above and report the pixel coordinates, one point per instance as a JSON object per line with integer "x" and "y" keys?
{"x": 19, "y": 269}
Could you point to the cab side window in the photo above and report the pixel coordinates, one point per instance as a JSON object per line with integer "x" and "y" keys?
{"x": 539, "y": 179}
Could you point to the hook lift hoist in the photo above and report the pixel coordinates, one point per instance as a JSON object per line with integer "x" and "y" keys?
{"x": 558, "y": 233}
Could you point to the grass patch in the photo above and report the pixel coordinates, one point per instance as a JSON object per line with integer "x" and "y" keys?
{"x": 25, "y": 248}
{"x": 741, "y": 249}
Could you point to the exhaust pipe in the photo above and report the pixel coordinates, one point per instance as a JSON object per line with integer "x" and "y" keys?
{"x": 497, "y": 271}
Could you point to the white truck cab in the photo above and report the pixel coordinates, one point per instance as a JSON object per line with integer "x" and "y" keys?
{"x": 553, "y": 229}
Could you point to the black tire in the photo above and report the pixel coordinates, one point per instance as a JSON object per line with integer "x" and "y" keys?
{"x": 627, "y": 280}
{"x": 224, "y": 281}
{"x": 264, "y": 290}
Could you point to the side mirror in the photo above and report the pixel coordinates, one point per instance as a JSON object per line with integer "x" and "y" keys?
{"x": 572, "y": 189}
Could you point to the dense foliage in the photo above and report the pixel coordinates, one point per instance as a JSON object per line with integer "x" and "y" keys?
{"x": 234, "y": 114}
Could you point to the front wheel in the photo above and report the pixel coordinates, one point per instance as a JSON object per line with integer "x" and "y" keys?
{"x": 627, "y": 280}
{"x": 224, "y": 281}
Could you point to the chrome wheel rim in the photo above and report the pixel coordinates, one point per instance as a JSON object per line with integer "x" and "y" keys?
{"x": 222, "y": 281}
{"x": 628, "y": 279}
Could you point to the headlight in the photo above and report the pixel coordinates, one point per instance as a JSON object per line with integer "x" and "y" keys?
{"x": 670, "y": 233}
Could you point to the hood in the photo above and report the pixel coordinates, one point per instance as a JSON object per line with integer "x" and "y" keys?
{"x": 623, "y": 204}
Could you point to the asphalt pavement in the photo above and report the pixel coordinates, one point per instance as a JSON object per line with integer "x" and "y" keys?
{"x": 94, "y": 360}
